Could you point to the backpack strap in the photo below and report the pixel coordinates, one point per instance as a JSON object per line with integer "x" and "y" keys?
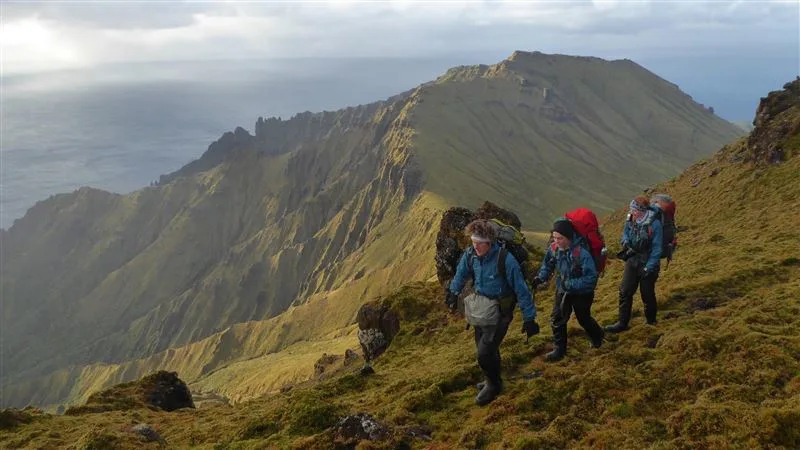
{"x": 576, "y": 260}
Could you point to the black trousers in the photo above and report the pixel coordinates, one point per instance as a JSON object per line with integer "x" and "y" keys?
{"x": 634, "y": 278}
{"x": 487, "y": 344}
{"x": 582, "y": 305}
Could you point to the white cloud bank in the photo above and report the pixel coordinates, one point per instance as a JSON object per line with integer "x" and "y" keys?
{"x": 50, "y": 36}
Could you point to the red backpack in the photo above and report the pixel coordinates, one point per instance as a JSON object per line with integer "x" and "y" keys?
{"x": 584, "y": 221}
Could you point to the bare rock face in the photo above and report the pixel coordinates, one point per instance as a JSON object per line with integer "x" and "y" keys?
{"x": 777, "y": 119}
{"x": 373, "y": 343}
{"x": 451, "y": 241}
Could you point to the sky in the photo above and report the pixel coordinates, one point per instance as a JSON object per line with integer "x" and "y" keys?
{"x": 41, "y": 36}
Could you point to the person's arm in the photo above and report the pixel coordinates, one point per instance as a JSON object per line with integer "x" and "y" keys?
{"x": 655, "y": 246}
{"x": 548, "y": 263}
{"x": 588, "y": 279}
{"x": 462, "y": 274}
{"x": 626, "y": 234}
{"x": 517, "y": 282}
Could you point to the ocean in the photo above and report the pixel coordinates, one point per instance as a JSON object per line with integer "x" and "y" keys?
{"x": 120, "y": 127}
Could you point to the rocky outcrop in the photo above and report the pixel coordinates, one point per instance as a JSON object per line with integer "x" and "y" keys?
{"x": 451, "y": 240}
{"x": 352, "y": 429}
{"x": 777, "y": 119}
{"x": 377, "y": 325}
{"x": 161, "y": 390}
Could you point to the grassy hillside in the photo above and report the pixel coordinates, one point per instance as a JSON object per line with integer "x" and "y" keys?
{"x": 276, "y": 238}
{"x": 720, "y": 370}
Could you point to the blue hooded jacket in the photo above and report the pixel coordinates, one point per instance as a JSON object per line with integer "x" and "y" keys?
{"x": 568, "y": 278}
{"x": 486, "y": 282}
{"x": 645, "y": 239}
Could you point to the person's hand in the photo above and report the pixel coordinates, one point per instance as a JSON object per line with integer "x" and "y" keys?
{"x": 530, "y": 327}
{"x": 451, "y": 301}
{"x": 537, "y": 282}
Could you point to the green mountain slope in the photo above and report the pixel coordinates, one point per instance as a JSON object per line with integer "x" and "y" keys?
{"x": 531, "y": 130}
{"x": 720, "y": 370}
{"x": 276, "y": 238}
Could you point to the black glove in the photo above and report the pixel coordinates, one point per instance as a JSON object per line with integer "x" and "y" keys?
{"x": 537, "y": 282}
{"x": 648, "y": 273}
{"x": 625, "y": 253}
{"x": 451, "y": 300}
{"x": 530, "y": 327}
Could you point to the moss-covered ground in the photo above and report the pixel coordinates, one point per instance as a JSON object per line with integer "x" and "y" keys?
{"x": 721, "y": 369}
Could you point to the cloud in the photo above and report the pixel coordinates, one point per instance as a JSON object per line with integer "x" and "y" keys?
{"x": 42, "y": 36}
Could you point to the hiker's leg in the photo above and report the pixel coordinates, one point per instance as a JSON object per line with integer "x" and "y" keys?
{"x": 648, "y": 290}
{"x": 499, "y": 335}
{"x": 558, "y": 322}
{"x": 630, "y": 281}
{"x": 582, "y": 304}
{"x": 488, "y": 354}
{"x": 489, "y": 359}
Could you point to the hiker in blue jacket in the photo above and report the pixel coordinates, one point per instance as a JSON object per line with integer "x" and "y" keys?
{"x": 641, "y": 250}
{"x": 576, "y": 278}
{"x": 502, "y": 291}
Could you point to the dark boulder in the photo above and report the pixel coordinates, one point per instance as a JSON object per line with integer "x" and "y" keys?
{"x": 166, "y": 391}
{"x": 147, "y": 433}
{"x": 160, "y": 390}
{"x": 358, "y": 427}
{"x": 452, "y": 240}
{"x": 377, "y": 325}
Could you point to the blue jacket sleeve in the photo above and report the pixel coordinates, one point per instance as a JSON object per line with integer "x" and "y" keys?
{"x": 588, "y": 279}
{"x": 517, "y": 282}
{"x": 548, "y": 263}
{"x": 655, "y": 246}
{"x": 462, "y": 274}
{"x": 626, "y": 233}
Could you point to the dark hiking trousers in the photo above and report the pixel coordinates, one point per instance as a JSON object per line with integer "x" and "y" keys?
{"x": 582, "y": 305}
{"x": 632, "y": 279}
{"x": 487, "y": 343}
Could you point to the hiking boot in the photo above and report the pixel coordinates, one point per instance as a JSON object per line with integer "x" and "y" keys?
{"x": 488, "y": 393}
{"x": 616, "y": 328}
{"x": 560, "y": 342}
{"x": 481, "y": 385}
{"x": 556, "y": 355}
{"x": 596, "y": 343}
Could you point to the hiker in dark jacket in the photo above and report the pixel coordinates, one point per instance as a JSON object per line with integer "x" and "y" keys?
{"x": 576, "y": 278}
{"x": 480, "y": 262}
{"x": 641, "y": 250}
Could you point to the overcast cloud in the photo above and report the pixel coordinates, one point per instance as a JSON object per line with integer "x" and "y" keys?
{"x": 57, "y": 35}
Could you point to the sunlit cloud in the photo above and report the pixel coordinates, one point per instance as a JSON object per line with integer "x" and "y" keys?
{"x": 50, "y": 36}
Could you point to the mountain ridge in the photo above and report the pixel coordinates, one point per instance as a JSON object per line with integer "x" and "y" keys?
{"x": 251, "y": 228}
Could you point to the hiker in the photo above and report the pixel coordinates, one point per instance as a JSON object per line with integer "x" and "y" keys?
{"x": 641, "y": 250}
{"x": 576, "y": 278}
{"x": 490, "y": 308}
